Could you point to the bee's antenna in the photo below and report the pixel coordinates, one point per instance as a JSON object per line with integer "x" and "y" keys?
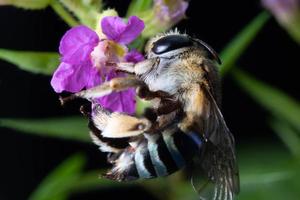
{"x": 212, "y": 52}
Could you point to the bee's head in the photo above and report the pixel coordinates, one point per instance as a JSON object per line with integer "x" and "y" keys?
{"x": 174, "y": 43}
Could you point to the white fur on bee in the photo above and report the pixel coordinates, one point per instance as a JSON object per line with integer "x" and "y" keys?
{"x": 102, "y": 145}
{"x": 123, "y": 163}
{"x": 165, "y": 82}
{"x": 100, "y": 117}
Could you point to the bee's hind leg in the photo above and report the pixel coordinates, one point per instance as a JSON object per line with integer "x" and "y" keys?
{"x": 118, "y": 125}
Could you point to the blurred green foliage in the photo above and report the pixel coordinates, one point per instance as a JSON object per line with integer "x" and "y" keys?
{"x": 237, "y": 46}
{"x": 269, "y": 172}
{"x": 70, "y": 128}
{"x": 58, "y": 184}
{"x": 34, "y": 62}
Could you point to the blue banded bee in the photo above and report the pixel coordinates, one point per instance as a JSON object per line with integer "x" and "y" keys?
{"x": 184, "y": 126}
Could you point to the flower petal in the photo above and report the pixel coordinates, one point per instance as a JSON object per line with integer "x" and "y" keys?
{"x": 77, "y": 44}
{"x": 73, "y": 78}
{"x": 133, "y": 29}
{"x": 120, "y": 101}
{"x": 134, "y": 56}
{"x": 112, "y": 27}
{"x": 115, "y": 29}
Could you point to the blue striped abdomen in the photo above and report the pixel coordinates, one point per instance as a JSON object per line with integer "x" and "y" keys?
{"x": 154, "y": 155}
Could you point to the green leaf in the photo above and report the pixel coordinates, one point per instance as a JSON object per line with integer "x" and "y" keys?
{"x": 65, "y": 15}
{"x": 28, "y": 4}
{"x": 35, "y": 62}
{"x": 58, "y": 184}
{"x": 277, "y": 102}
{"x": 290, "y": 138}
{"x": 267, "y": 171}
{"x": 238, "y": 45}
{"x": 138, "y": 6}
{"x": 74, "y": 128}
{"x": 87, "y": 11}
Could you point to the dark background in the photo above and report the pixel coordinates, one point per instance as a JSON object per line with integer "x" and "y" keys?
{"x": 25, "y": 159}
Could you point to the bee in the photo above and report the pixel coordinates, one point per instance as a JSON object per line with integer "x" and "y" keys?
{"x": 184, "y": 126}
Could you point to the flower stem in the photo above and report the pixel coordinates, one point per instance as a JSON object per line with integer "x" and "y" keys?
{"x": 63, "y": 13}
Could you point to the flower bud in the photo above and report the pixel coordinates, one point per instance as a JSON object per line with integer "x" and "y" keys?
{"x": 287, "y": 13}
{"x": 163, "y": 15}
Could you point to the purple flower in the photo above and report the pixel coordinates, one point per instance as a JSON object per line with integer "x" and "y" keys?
{"x": 76, "y": 70}
{"x": 85, "y": 58}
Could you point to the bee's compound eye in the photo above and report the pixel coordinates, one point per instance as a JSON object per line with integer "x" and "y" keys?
{"x": 171, "y": 42}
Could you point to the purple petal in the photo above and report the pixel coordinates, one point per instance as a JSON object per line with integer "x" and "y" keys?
{"x": 133, "y": 29}
{"x": 73, "y": 78}
{"x": 77, "y": 44}
{"x": 119, "y": 101}
{"x": 115, "y": 29}
{"x": 134, "y": 56}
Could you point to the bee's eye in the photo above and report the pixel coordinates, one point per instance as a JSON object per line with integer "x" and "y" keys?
{"x": 170, "y": 43}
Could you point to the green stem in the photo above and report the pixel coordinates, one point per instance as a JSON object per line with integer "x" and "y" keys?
{"x": 241, "y": 41}
{"x": 65, "y": 15}
{"x": 288, "y": 136}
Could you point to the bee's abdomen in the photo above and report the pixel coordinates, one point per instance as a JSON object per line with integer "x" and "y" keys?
{"x": 154, "y": 155}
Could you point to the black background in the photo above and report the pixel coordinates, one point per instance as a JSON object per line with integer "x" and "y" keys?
{"x": 25, "y": 160}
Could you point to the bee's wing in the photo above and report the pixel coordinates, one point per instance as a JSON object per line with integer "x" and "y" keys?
{"x": 217, "y": 160}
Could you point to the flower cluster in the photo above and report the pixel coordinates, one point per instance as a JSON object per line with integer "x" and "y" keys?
{"x": 87, "y": 57}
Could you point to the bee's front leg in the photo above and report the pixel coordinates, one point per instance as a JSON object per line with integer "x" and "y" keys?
{"x": 114, "y": 85}
{"x": 139, "y": 68}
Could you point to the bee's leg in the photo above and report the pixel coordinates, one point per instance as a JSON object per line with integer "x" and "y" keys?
{"x": 143, "y": 92}
{"x": 118, "y": 125}
{"x": 127, "y": 67}
{"x": 168, "y": 106}
{"x": 138, "y": 68}
{"x": 114, "y": 85}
